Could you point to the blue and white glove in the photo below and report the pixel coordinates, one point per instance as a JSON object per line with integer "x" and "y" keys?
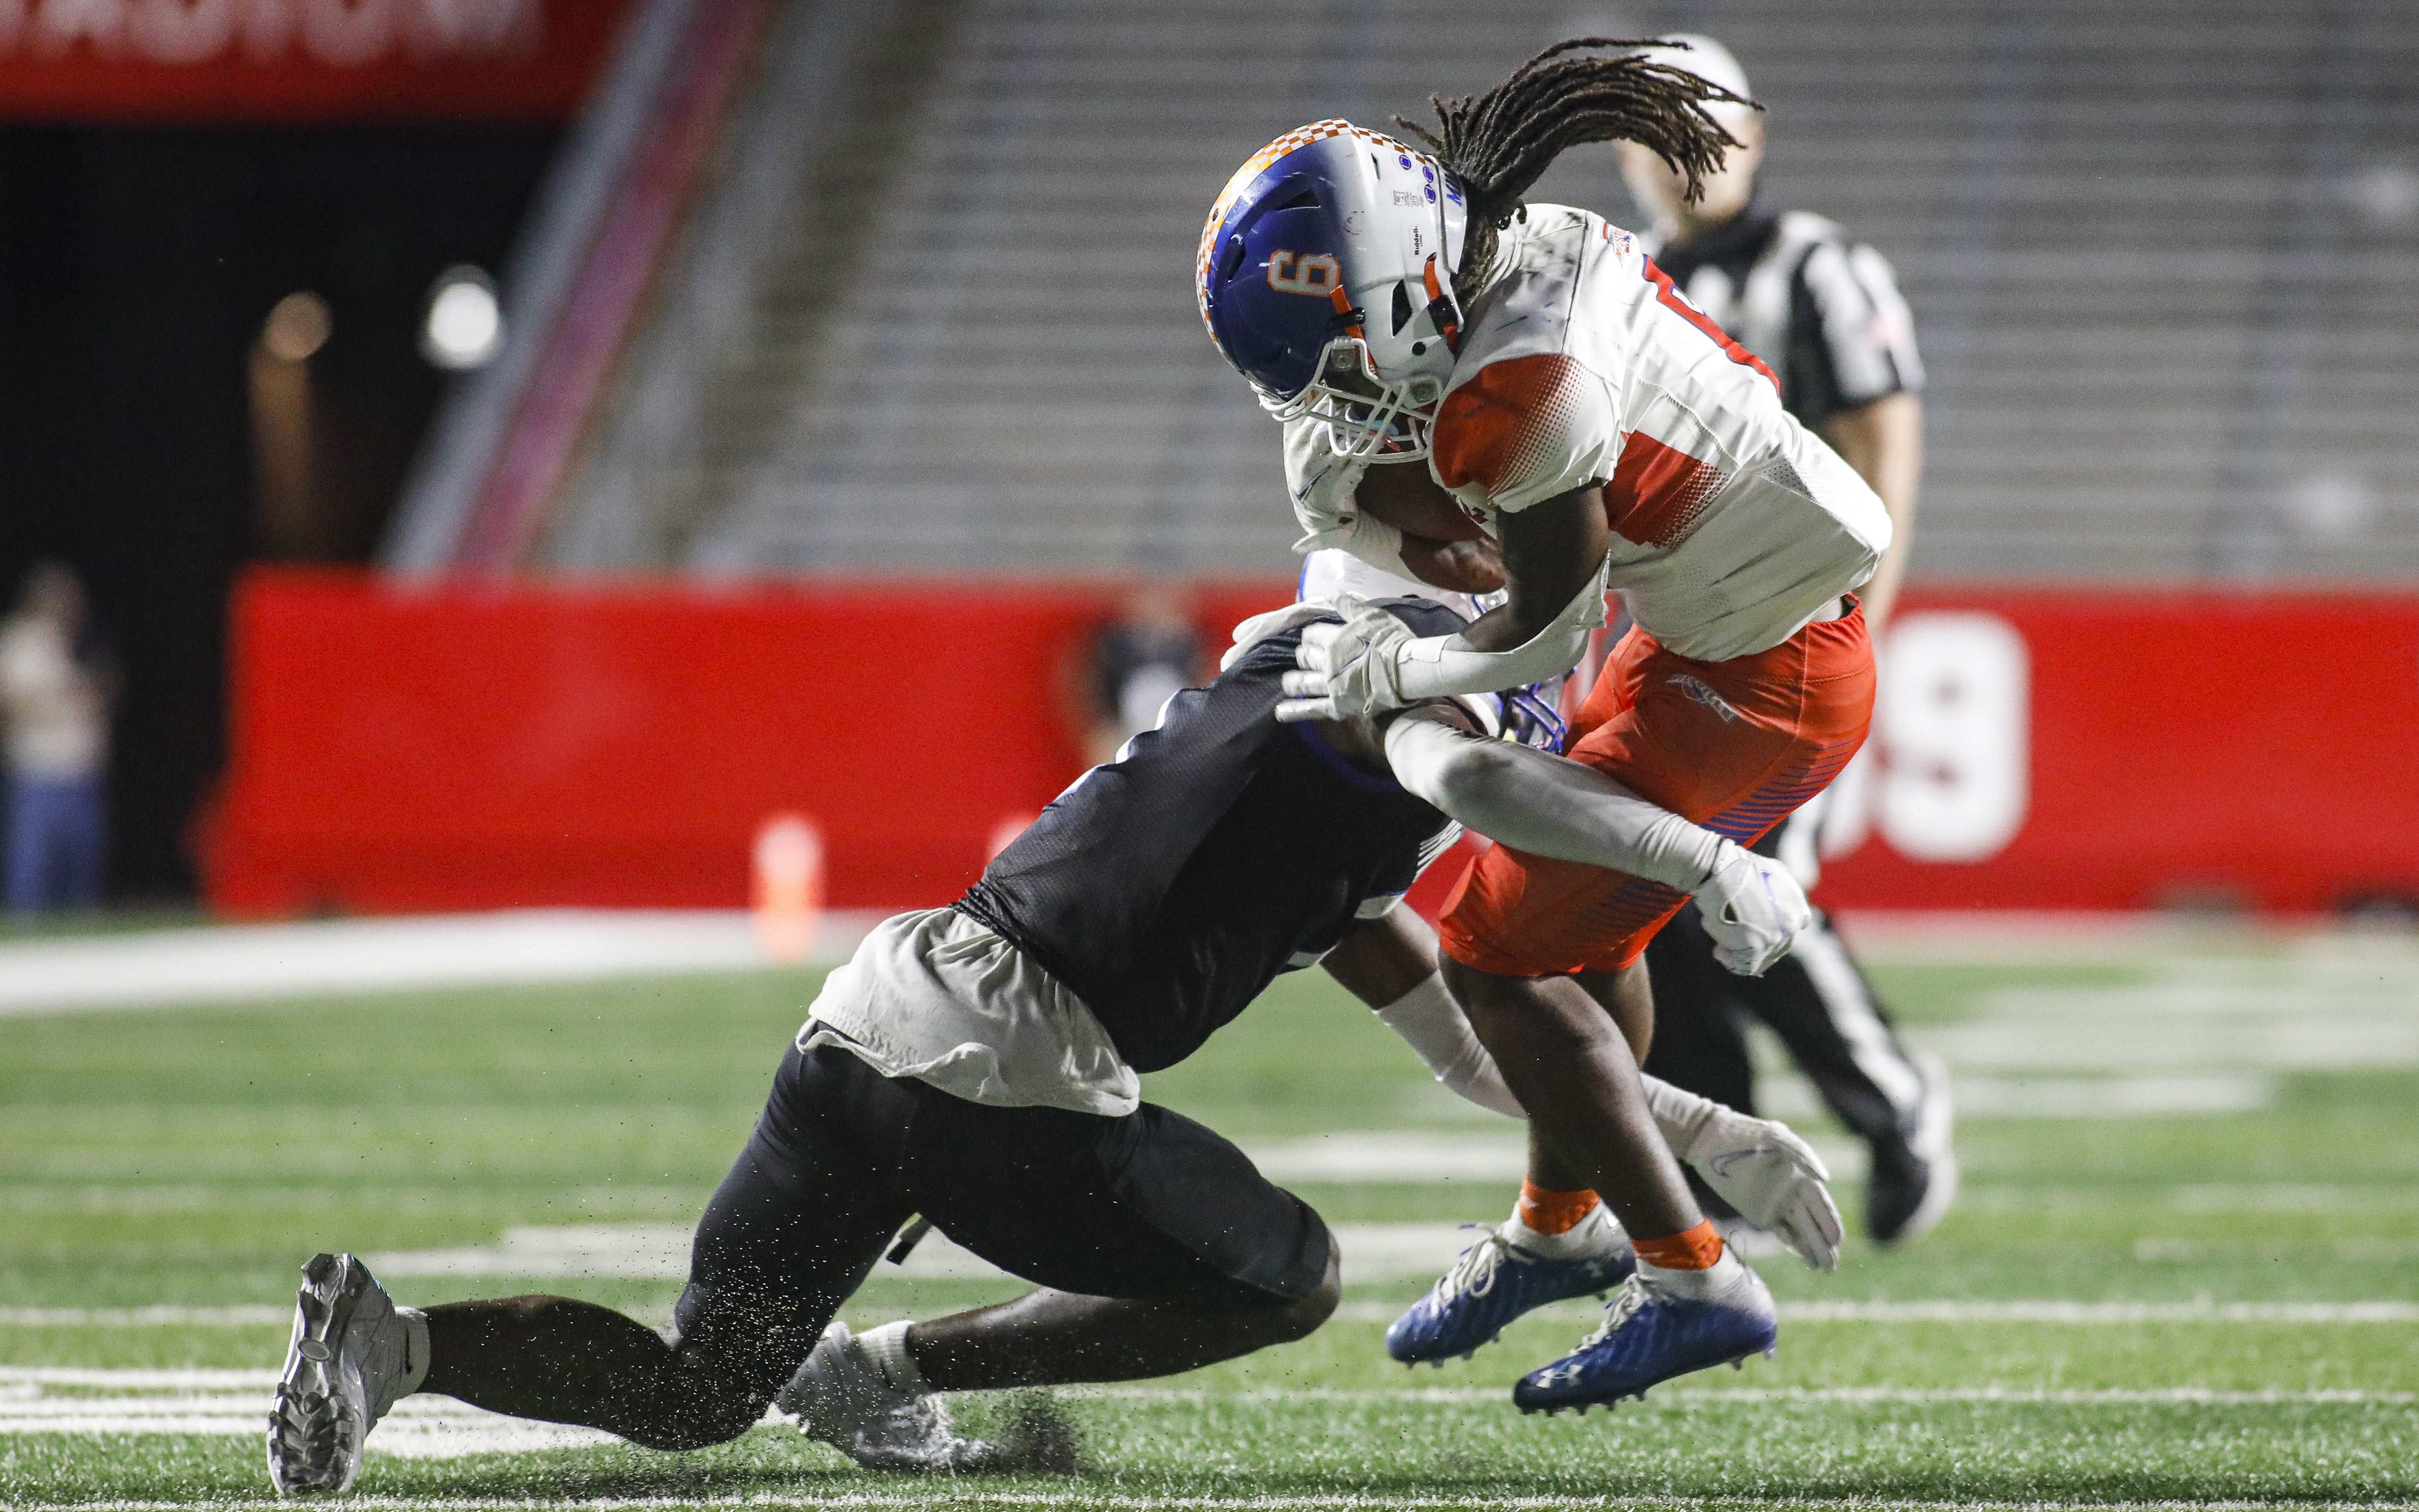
{"x": 1754, "y": 908}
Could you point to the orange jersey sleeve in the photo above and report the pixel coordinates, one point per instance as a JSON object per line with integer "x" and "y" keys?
{"x": 1523, "y": 429}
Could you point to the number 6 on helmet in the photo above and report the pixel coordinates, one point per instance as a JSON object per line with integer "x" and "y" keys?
{"x": 1325, "y": 276}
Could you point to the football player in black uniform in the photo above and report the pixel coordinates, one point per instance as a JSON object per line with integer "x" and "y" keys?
{"x": 977, "y": 1065}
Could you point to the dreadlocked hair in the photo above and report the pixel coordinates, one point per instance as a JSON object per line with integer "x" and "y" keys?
{"x": 1498, "y": 144}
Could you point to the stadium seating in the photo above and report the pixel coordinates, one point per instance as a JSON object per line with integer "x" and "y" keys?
{"x": 935, "y": 313}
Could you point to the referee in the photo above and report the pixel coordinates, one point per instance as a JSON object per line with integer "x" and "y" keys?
{"x": 1824, "y": 313}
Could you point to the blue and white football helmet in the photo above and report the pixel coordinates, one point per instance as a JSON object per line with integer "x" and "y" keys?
{"x": 1326, "y": 277}
{"x": 1533, "y": 717}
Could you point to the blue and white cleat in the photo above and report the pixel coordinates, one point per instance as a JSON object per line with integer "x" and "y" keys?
{"x": 1496, "y": 1281}
{"x": 353, "y": 1353}
{"x": 1651, "y": 1334}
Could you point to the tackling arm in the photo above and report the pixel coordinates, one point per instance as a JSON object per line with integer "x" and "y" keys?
{"x": 1553, "y": 555}
{"x": 1547, "y": 806}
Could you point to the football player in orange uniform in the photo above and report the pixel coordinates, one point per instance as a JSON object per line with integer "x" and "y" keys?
{"x": 1395, "y": 306}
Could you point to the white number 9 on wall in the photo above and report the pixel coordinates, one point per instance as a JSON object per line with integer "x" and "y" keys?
{"x": 1953, "y": 721}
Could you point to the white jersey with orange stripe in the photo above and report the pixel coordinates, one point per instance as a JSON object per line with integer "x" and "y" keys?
{"x": 1733, "y": 526}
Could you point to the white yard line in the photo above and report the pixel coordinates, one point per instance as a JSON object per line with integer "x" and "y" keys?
{"x": 2018, "y": 1311}
{"x": 1084, "y": 1494}
{"x": 431, "y": 1427}
{"x": 143, "y": 1316}
{"x": 2011, "y": 1312}
{"x": 2217, "y": 965}
{"x": 418, "y": 1428}
{"x": 189, "y": 1379}
{"x": 171, "y": 969}
{"x": 238, "y": 963}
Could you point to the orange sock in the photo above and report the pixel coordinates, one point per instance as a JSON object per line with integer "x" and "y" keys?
{"x": 1692, "y": 1249}
{"x": 1553, "y": 1213}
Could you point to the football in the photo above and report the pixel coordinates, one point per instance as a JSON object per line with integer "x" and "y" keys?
{"x": 1403, "y": 496}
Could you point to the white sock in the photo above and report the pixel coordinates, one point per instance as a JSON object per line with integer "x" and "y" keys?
{"x": 415, "y": 1348}
{"x": 887, "y": 1346}
{"x": 1708, "y": 1284}
{"x": 1596, "y": 1234}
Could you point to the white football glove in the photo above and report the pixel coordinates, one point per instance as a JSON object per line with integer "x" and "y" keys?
{"x": 1275, "y": 622}
{"x": 1325, "y": 490}
{"x": 1773, "y": 1178}
{"x": 1347, "y": 670}
{"x": 1359, "y": 534}
{"x": 1754, "y": 908}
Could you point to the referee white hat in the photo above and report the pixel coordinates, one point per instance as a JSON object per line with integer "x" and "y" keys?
{"x": 1711, "y": 61}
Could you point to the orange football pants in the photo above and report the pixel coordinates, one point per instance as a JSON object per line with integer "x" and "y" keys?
{"x": 1733, "y": 746}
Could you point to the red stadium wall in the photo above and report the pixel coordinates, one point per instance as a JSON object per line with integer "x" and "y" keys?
{"x": 395, "y": 749}
{"x": 2250, "y": 749}
{"x": 404, "y": 749}
{"x": 181, "y": 62}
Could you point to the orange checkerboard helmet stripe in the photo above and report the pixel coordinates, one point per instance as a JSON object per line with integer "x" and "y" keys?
{"x": 1258, "y": 162}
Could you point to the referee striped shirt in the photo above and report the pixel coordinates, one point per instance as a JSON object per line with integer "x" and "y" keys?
{"x": 1822, "y": 311}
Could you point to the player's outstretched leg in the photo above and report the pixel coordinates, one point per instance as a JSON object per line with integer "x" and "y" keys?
{"x": 875, "y": 1396}
{"x": 1666, "y": 1321}
{"x": 353, "y": 1354}
{"x": 1159, "y": 1247}
{"x": 560, "y": 1360}
{"x": 1560, "y": 1242}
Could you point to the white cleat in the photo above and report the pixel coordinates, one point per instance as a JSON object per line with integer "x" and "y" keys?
{"x": 353, "y": 1353}
{"x": 843, "y": 1397}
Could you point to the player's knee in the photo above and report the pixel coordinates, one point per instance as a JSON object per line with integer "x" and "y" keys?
{"x": 1484, "y": 996}
{"x": 703, "y": 1414}
{"x": 1303, "y": 1316}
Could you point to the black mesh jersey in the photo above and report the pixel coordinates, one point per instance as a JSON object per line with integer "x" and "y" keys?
{"x": 1168, "y": 888}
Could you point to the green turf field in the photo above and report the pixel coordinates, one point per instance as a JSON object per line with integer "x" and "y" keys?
{"x": 2215, "y": 1299}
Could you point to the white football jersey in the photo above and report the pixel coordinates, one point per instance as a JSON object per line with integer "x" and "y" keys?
{"x": 1733, "y": 526}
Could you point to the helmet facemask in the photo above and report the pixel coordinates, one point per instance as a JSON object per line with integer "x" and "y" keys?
{"x": 1533, "y": 716}
{"x": 1368, "y": 413}
{"x": 1365, "y": 414}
